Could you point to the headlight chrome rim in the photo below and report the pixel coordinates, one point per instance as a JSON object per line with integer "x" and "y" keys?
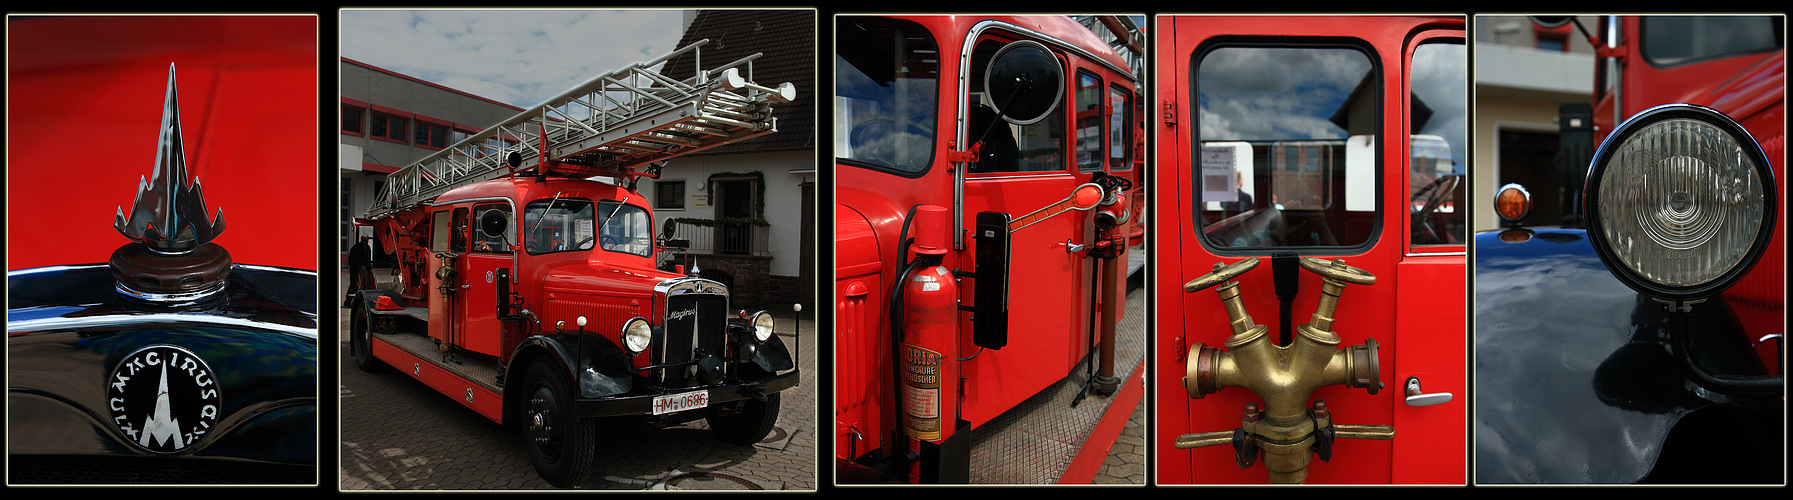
{"x": 1680, "y": 207}
{"x": 637, "y": 334}
{"x": 762, "y": 333}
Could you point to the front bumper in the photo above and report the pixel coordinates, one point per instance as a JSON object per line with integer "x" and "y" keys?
{"x": 642, "y": 404}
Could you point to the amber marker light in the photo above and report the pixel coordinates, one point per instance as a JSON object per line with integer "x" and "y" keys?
{"x": 1512, "y": 202}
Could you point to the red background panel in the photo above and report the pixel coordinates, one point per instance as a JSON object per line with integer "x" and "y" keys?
{"x": 84, "y": 99}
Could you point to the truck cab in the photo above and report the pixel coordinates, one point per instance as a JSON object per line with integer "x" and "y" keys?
{"x": 988, "y": 174}
{"x": 1310, "y": 164}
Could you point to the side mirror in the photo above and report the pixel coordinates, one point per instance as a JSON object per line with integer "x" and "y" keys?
{"x": 1551, "y": 21}
{"x": 1024, "y": 81}
{"x": 492, "y": 223}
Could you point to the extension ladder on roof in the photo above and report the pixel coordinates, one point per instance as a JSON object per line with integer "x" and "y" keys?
{"x": 606, "y": 126}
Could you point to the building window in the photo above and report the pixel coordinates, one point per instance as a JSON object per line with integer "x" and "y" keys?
{"x": 669, "y": 195}
{"x": 351, "y": 119}
{"x": 431, "y": 135}
{"x": 387, "y": 126}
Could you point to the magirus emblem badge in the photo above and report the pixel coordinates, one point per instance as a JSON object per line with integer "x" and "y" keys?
{"x": 163, "y": 398}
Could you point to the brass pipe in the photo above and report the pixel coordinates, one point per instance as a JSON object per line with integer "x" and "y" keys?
{"x": 1202, "y": 439}
{"x": 1284, "y": 376}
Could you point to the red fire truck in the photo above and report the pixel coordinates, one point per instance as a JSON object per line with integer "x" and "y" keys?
{"x": 533, "y": 296}
{"x": 1310, "y": 164}
{"x": 988, "y": 183}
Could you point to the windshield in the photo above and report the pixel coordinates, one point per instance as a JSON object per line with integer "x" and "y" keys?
{"x": 1671, "y": 40}
{"x": 1287, "y": 146}
{"x": 885, "y": 85}
{"x": 567, "y": 224}
{"x": 558, "y": 225}
{"x": 625, "y": 228}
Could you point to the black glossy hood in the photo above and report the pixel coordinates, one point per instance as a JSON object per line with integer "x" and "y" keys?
{"x": 1575, "y": 380}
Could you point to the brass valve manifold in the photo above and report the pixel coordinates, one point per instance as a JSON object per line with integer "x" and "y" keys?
{"x": 1286, "y": 429}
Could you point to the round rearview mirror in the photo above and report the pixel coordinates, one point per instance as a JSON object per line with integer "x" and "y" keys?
{"x": 492, "y": 223}
{"x": 1024, "y": 82}
{"x": 666, "y": 229}
{"x": 1551, "y": 21}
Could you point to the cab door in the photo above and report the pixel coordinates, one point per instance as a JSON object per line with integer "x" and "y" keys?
{"x": 477, "y": 299}
{"x": 1282, "y": 137}
{"x": 1431, "y": 284}
{"x": 1023, "y": 167}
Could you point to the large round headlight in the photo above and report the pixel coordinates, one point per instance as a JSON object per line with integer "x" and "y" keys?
{"x": 637, "y": 334}
{"x": 1680, "y": 202}
{"x": 762, "y": 326}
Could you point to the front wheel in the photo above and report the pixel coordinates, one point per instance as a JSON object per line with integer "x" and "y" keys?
{"x": 749, "y": 426}
{"x": 562, "y": 447}
{"x": 361, "y": 331}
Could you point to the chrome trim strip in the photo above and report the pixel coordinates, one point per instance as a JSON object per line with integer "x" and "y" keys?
{"x": 137, "y": 319}
{"x": 681, "y": 286}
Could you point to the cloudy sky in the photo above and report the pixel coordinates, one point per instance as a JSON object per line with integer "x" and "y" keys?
{"x": 518, "y": 57}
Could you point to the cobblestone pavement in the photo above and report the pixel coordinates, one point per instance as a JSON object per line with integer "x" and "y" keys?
{"x": 400, "y": 434}
{"x": 1126, "y": 460}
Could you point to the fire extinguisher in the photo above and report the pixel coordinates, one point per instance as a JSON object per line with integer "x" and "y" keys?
{"x": 928, "y": 355}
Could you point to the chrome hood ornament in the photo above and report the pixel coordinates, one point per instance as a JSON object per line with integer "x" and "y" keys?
{"x": 171, "y": 258}
{"x": 169, "y": 213}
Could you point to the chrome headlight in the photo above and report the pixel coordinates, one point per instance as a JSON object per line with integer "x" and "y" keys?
{"x": 762, "y": 326}
{"x": 1680, "y": 202}
{"x": 637, "y": 334}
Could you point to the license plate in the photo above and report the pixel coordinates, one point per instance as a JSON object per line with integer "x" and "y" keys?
{"x": 681, "y": 402}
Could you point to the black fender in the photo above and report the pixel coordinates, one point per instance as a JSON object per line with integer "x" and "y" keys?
{"x": 1575, "y": 377}
{"x": 365, "y": 298}
{"x": 769, "y": 358}
{"x": 363, "y": 302}
{"x": 601, "y": 366}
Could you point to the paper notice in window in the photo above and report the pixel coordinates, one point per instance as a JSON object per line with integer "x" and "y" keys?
{"x": 1217, "y": 169}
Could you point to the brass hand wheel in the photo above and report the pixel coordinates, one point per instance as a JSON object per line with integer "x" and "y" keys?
{"x": 1221, "y": 274}
{"x": 1337, "y": 270}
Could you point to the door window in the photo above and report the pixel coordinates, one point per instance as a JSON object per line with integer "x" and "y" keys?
{"x": 1121, "y": 121}
{"x": 493, "y": 244}
{"x": 1287, "y": 146}
{"x": 885, "y": 85}
{"x": 1439, "y": 109}
{"x": 1089, "y": 122}
{"x": 1036, "y": 147}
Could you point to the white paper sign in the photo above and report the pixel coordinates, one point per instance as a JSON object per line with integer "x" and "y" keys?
{"x": 1217, "y": 174}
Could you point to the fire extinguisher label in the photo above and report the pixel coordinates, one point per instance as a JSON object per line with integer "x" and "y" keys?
{"x": 921, "y": 392}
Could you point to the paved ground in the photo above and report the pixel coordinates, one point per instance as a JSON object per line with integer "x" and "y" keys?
{"x": 399, "y": 434}
{"x": 1126, "y": 460}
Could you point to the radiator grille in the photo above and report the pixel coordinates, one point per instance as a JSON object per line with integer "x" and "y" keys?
{"x": 694, "y": 322}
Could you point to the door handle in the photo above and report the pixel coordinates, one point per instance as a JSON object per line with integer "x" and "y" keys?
{"x": 1417, "y": 398}
{"x": 1074, "y": 247}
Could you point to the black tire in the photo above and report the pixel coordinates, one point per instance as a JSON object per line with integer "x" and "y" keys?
{"x": 749, "y": 426}
{"x": 561, "y": 447}
{"x": 361, "y": 330}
